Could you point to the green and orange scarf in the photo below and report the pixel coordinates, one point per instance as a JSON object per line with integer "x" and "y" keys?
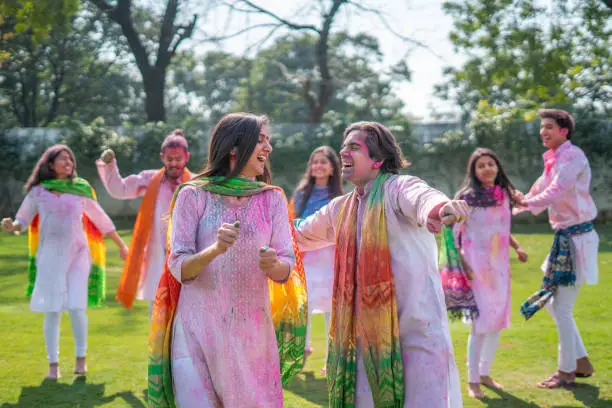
{"x": 288, "y": 303}
{"x": 364, "y": 307}
{"x": 96, "y": 287}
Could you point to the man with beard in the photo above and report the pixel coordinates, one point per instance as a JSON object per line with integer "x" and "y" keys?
{"x": 145, "y": 262}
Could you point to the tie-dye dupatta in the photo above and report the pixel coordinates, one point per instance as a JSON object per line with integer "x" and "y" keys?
{"x": 364, "y": 307}
{"x": 288, "y": 304}
{"x": 96, "y": 287}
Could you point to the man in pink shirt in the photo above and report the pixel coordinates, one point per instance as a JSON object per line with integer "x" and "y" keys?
{"x": 145, "y": 261}
{"x": 563, "y": 189}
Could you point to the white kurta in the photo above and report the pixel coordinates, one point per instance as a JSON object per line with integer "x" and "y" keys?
{"x": 430, "y": 374}
{"x": 135, "y": 186}
{"x": 63, "y": 261}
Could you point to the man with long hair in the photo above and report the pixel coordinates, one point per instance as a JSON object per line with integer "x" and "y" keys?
{"x": 389, "y": 341}
{"x": 145, "y": 261}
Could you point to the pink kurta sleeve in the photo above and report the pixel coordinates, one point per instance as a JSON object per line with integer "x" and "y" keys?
{"x": 317, "y": 231}
{"x": 123, "y": 188}
{"x": 564, "y": 180}
{"x": 281, "y": 233}
{"x": 97, "y": 215}
{"x": 186, "y": 216}
{"x": 28, "y": 208}
{"x": 416, "y": 199}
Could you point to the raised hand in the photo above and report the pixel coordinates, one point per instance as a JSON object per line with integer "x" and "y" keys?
{"x": 107, "y": 156}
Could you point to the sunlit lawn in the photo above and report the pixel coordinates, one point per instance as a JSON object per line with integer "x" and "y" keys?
{"x": 118, "y": 339}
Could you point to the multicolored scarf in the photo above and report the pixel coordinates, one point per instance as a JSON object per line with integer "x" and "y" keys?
{"x": 460, "y": 301}
{"x": 489, "y": 197}
{"x": 128, "y": 286}
{"x": 560, "y": 268}
{"x": 96, "y": 287}
{"x": 288, "y": 304}
{"x": 364, "y": 307}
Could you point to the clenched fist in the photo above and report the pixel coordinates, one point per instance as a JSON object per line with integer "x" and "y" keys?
{"x": 107, "y": 156}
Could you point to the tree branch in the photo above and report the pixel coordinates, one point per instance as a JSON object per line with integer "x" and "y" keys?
{"x": 184, "y": 32}
{"x": 287, "y": 23}
{"x": 122, "y": 15}
{"x": 388, "y": 26}
{"x": 242, "y": 31}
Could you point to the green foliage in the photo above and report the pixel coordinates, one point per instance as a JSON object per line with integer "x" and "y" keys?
{"x": 523, "y": 54}
{"x": 75, "y": 74}
{"x": 36, "y": 17}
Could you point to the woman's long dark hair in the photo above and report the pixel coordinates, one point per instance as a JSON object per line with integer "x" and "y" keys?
{"x": 471, "y": 184}
{"x": 334, "y": 183}
{"x": 240, "y": 131}
{"x": 43, "y": 170}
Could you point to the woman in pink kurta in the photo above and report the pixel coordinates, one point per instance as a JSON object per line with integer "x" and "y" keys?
{"x": 63, "y": 258}
{"x": 484, "y": 240}
{"x": 224, "y": 248}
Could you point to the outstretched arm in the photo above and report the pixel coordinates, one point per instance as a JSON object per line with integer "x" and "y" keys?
{"x": 121, "y": 188}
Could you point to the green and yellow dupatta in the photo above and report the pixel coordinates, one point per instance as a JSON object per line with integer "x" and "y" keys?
{"x": 96, "y": 288}
{"x": 288, "y": 303}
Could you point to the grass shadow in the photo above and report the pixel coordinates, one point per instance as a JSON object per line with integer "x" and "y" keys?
{"x": 587, "y": 394}
{"x": 78, "y": 394}
{"x": 307, "y": 386}
{"x": 507, "y": 400}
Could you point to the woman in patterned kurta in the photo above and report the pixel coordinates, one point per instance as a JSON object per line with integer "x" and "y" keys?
{"x": 321, "y": 183}
{"x": 484, "y": 239}
{"x": 224, "y": 248}
{"x": 63, "y": 260}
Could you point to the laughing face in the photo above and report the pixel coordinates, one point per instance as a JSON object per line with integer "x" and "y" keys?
{"x": 551, "y": 134}
{"x": 63, "y": 165}
{"x": 257, "y": 162}
{"x": 358, "y": 167}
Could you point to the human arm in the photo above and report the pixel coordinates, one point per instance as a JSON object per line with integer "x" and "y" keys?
{"x": 277, "y": 259}
{"x": 105, "y": 225}
{"x": 317, "y": 231}
{"x": 25, "y": 214}
{"x": 185, "y": 261}
{"x": 121, "y": 188}
{"x": 566, "y": 177}
{"x": 426, "y": 206}
{"x": 522, "y": 255}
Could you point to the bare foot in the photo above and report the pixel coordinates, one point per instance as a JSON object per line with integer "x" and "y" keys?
{"x": 54, "y": 372}
{"x": 474, "y": 391}
{"x": 584, "y": 368}
{"x": 489, "y": 382}
{"x": 80, "y": 366}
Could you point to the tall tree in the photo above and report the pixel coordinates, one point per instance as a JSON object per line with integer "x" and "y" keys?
{"x": 318, "y": 89}
{"x": 525, "y": 53}
{"x": 68, "y": 73}
{"x": 171, "y": 35}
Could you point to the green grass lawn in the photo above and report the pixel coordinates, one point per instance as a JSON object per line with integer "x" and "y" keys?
{"x": 117, "y": 351}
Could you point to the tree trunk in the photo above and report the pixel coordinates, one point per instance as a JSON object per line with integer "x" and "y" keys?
{"x": 154, "y": 86}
